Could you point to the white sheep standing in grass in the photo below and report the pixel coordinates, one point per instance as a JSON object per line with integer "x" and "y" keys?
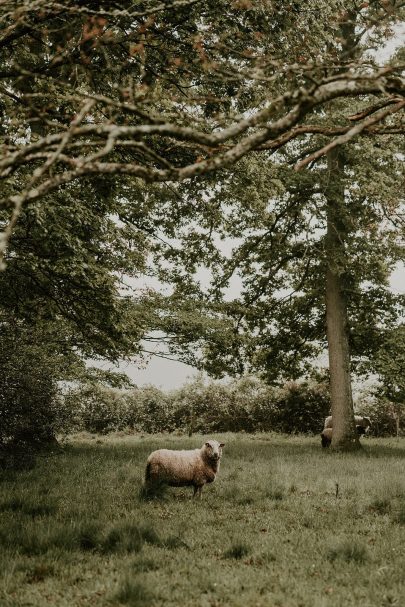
{"x": 359, "y": 420}
{"x": 326, "y": 434}
{"x": 184, "y": 468}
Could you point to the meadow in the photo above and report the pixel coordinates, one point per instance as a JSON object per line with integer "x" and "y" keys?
{"x": 286, "y": 524}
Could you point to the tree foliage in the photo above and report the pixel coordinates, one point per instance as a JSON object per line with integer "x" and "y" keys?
{"x": 174, "y": 90}
{"x": 275, "y": 220}
{"x": 389, "y": 363}
{"x": 29, "y": 412}
{"x": 65, "y": 265}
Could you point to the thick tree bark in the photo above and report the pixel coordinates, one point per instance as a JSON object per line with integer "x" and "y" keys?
{"x": 344, "y": 435}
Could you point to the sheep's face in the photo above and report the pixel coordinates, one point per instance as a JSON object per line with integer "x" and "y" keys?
{"x": 362, "y": 424}
{"x": 213, "y": 449}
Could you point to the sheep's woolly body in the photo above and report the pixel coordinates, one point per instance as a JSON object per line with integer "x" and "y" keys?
{"x": 326, "y": 435}
{"x": 184, "y": 468}
{"x": 359, "y": 420}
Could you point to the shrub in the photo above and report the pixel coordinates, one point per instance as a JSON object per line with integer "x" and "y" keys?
{"x": 149, "y": 410}
{"x": 246, "y": 405}
{"x": 387, "y": 418}
{"x": 200, "y": 407}
{"x": 249, "y": 405}
{"x": 96, "y": 408}
{"x": 29, "y": 403}
{"x": 101, "y": 409}
{"x": 300, "y": 407}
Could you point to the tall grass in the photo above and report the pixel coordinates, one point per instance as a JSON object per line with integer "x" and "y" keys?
{"x": 271, "y": 530}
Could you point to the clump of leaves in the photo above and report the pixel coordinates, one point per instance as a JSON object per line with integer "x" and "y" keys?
{"x": 67, "y": 537}
{"x": 245, "y": 500}
{"x": 39, "y": 572}
{"x": 25, "y": 540}
{"x": 263, "y": 559}
{"x": 275, "y": 493}
{"x": 173, "y": 542}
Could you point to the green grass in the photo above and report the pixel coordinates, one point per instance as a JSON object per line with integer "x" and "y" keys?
{"x": 77, "y": 531}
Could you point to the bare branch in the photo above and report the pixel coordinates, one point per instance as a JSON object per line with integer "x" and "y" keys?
{"x": 356, "y": 130}
{"x": 373, "y": 108}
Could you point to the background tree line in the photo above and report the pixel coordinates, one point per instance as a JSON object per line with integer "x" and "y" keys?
{"x": 245, "y": 405}
{"x": 103, "y": 403}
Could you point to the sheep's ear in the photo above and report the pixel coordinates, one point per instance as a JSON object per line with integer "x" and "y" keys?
{"x": 222, "y": 444}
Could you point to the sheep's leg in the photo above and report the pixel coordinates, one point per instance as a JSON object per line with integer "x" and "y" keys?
{"x": 197, "y": 491}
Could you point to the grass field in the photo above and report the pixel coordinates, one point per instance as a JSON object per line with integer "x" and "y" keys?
{"x": 270, "y": 531}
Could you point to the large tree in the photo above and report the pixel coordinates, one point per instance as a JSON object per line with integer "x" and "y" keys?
{"x": 168, "y": 92}
{"x": 277, "y": 221}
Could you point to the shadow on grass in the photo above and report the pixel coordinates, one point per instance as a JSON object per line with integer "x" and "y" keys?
{"x": 150, "y": 492}
{"x": 383, "y": 450}
{"x": 28, "y": 507}
{"x": 306, "y": 445}
{"x": 126, "y": 537}
{"x": 237, "y": 551}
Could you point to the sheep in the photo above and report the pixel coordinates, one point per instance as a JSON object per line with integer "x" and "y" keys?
{"x": 184, "y": 468}
{"x": 359, "y": 420}
{"x": 326, "y": 435}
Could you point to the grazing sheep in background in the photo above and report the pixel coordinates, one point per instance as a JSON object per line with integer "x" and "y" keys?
{"x": 328, "y": 422}
{"x": 326, "y": 435}
{"x": 361, "y": 430}
{"x": 359, "y": 420}
{"x": 184, "y": 468}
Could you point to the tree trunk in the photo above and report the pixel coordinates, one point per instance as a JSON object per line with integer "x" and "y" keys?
{"x": 344, "y": 435}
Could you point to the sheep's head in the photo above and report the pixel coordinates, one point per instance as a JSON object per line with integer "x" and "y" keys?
{"x": 362, "y": 424}
{"x": 213, "y": 450}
